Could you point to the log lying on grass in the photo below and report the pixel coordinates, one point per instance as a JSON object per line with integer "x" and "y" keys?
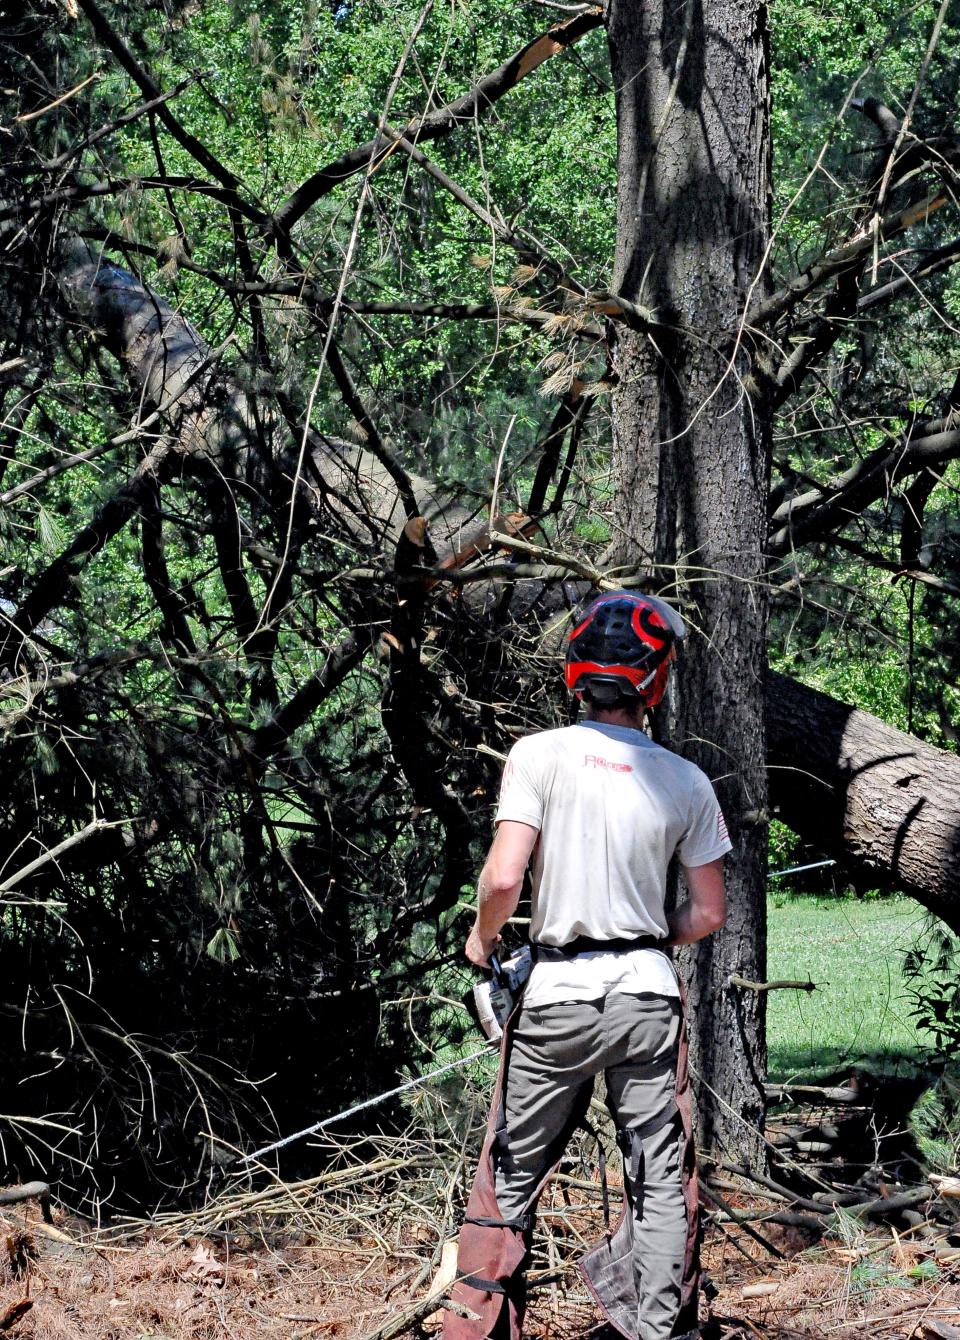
{"x": 866, "y": 793}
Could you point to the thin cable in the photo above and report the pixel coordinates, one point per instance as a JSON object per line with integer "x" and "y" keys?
{"x": 369, "y": 1102}
{"x": 795, "y": 869}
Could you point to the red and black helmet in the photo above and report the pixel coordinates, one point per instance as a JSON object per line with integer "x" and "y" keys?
{"x": 622, "y": 646}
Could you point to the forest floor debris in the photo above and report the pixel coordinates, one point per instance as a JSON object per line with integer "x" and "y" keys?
{"x": 362, "y": 1251}
{"x": 236, "y": 1287}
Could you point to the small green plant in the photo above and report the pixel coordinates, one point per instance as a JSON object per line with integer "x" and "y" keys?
{"x": 930, "y": 969}
{"x": 870, "y": 1276}
{"x": 924, "y": 1270}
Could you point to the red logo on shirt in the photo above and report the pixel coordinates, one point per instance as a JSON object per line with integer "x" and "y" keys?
{"x": 595, "y": 761}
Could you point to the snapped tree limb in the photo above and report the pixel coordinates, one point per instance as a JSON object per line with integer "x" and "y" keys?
{"x": 840, "y": 259}
{"x": 857, "y": 788}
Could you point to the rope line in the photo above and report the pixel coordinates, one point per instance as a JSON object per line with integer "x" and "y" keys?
{"x": 795, "y": 869}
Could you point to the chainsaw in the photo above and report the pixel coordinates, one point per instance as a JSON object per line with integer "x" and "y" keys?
{"x": 496, "y": 997}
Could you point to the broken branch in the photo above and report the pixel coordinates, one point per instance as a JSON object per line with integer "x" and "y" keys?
{"x": 408, "y": 1318}
{"x": 835, "y": 261}
{"x": 784, "y": 985}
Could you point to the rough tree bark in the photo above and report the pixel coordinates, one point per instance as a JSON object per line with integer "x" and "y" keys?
{"x": 691, "y": 455}
{"x": 867, "y": 793}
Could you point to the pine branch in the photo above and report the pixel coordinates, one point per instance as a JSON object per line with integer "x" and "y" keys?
{"x": 840, "y": 259}
{"x": 152, "y": 91}
{"x": 818, "y": 513}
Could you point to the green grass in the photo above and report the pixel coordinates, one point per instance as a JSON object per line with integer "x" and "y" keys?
{"x": 860, "y": 1014}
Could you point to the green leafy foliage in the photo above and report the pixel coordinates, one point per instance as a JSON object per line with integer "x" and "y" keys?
{"x": 935, "y": 1123}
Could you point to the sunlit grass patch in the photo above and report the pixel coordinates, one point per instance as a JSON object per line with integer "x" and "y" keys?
{"x": 860, "y": 1013}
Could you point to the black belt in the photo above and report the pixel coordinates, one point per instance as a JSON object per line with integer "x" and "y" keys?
{"x": 583, "y": 944}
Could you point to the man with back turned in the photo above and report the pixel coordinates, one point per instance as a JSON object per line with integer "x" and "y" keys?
{"x": 597, "y": 811}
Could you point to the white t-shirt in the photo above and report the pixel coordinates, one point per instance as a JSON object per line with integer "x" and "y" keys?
{"x": 611, "y": 808}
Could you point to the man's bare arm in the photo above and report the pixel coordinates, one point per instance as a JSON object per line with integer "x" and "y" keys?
{"x": 705, "y": 911}
{"x": 498, "y": 890}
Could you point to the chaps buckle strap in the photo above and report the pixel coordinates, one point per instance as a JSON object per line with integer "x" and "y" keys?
{"x": 522, "y": 1224}
{"x": 628, "y": 1135}
{"x": 478, "y": 1282}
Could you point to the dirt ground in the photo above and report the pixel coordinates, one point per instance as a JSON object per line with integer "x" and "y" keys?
{"x": 68, "y": 1283}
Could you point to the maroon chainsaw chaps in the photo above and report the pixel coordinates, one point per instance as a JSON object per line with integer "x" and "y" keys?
{"x": 491, "y": 1257}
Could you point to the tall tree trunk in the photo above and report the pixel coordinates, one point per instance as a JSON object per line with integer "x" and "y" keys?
{"x": 691, "y": 456}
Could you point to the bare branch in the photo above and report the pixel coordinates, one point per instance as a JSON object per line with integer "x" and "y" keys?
{"x": 612, "y": 305}
{"x": 900, "y": 570}
{"x": 939, "y": 259}
{"x": 467, "y": 311}
{"x": 38, "y": 1191}
{"x": 96, "y": 826}
{"x": 904, "y": 126}
{"x": 111, "y": 127}
{"x": 371, "y": 433}
{"x": 271, "y": 737}
{"x": 67, "y": 195}
{"x": 841, "y": 259}
{"x": 64, "y": 97}
{"x": 53, "y": 583}
{"x": 778, "y": 985}
{"x": 886, "y": 121}
{"x": 569, "y": 416}
{"x": 462, "y": 111}
{"x": 811, "y": 346}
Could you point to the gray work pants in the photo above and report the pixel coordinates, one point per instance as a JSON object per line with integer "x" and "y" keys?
{"x": 556, "y": 1051}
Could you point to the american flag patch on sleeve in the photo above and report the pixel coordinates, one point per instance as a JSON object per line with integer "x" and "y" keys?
{"x": 722, "y": 833}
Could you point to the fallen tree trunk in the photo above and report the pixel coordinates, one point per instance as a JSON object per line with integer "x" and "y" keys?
{"x": 867, "y": 793}
{"x": 860, "y": 790}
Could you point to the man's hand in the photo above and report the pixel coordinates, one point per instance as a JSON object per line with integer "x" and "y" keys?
{"x": 479, "y": 948}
